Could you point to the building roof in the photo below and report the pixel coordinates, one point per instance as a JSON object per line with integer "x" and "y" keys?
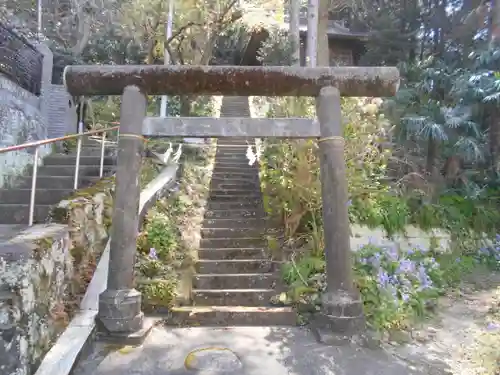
{"x": 336, "y": 29}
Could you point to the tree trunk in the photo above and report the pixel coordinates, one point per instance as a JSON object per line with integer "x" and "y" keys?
{"x": 494, "y": 133}
{"x": 432, "y": 154}
{"x": 323, "y": 47}
{"x": 295, "y": 30}
{"x": 312, "y": 33}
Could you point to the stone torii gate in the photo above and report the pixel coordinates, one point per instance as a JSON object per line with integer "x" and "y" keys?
{"x": 120, "y": 313}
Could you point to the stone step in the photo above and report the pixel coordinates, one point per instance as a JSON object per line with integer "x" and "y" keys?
{"x": 96, "y": 152}
{"x": 233, "y": 253}
{"x": 231, "y": 158}
{"x": 211, "y": 205}
{"x": 226, "y": 166}
{"x": 236, "y": 281}
{"x": 235, "y": 266}
{"x": 232, "y": 232}
{"x": 236, "y": 142}
{"x": 236, "y": 193}
{"x": 19, "y": 213}
{"x": 69, "y": 170}
{"x": 231, "y": 155}
{"x": 56, "y": 182}
{"x": 229, "y": 316}
{"x": 60, "y": 159}
{"x": 223, "y": 184}
{"x": 234, "y": 149}
{"x": 232, "y": 140}
{"x": 218, "y": 243}
{"x": 232, "y": 297}
{"x": 42, "y": 196}
{"x": 252, "y": 196}
{"x": 255, "y": 199}
{"x": 236, "y": 171}
{"x": 236, "y": 213}
{"x": 235, "y": 223}
{"x": 237, "y": 160}
{"x": 233, "y": 177}
{"x": 242, "y": 180}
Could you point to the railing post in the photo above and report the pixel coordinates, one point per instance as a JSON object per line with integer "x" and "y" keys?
{"x": 342, "y": 308}
{"x": 33, "y": 187}
{"x": 103, "y": 146}
{"x": 77, "y": 164}
{"x": 120, "y": 316}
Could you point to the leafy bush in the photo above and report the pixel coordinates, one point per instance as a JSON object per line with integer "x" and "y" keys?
{"x": 290, "y": 168}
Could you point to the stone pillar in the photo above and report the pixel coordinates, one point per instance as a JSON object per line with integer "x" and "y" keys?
{"x": 46, "y": 79}
{"x": 120, "y": 317}
{"x": 342, "y": 309}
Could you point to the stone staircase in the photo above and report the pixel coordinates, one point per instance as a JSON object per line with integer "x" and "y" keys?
{"x": 235, "y": 276}
{"x": 55, "y": 180}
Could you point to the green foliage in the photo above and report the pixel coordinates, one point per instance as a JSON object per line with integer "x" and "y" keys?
{"x": 290, "y": 169}
{"x": 158, "y": 250}
{"x": 276, "y": 49}
{"x": 290, "y": 179}
{"x": 162, "y": 250}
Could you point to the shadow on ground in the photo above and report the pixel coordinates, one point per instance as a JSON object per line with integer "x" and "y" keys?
{"x": 260, "y": 350}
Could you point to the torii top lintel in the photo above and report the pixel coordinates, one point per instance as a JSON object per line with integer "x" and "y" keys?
{"x": 88, "y": 80}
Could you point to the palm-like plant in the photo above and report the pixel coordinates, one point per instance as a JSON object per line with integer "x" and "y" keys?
{"x": 430, "y": 111}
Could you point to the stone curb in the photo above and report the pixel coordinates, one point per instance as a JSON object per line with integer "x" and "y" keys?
{"x": 64, "y": 354}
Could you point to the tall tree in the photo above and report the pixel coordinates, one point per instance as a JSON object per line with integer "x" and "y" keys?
{"x": 294, "y": 21}
{"x": 312, "y": 32}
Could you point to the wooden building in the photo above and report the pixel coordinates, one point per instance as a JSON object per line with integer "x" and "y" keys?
{"x": 346, "y": 47}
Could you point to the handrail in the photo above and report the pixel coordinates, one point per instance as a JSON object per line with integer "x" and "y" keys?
{"x": 54, "y": 140}
{"x": 37, "y": 145}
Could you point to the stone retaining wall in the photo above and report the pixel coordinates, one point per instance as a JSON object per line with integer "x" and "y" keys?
{"x": 44, "y": 271}
{"x": 20, "y": 121}
{"x": 413, "y": 238}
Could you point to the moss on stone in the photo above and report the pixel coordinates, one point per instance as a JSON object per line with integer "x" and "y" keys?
{"x": 42, "y": 246}
{"x": 158, "y": 293}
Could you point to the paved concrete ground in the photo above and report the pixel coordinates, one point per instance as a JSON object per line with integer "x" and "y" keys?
{"x": 252, "y": 351}
{"x": 8, "y": 231}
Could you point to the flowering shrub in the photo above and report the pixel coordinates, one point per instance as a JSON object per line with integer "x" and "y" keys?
{"x": 396, "y": 286}
{"x": 490, "y": 255}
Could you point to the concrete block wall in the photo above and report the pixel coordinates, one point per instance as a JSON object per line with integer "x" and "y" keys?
{"x": 61, "y": 112}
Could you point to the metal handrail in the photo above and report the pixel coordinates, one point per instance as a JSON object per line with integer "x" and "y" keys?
{"x": 37, "y": 145}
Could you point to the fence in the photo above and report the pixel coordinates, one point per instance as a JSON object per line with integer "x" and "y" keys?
{"x": 20, "y": 61}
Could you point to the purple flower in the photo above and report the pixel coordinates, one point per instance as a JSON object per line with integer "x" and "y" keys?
{"x": 406, "y": 266}
{"x": 375, "y": 260}
{"x": 153, "y": 254}
{"x": 492, "y": 326}
{"x": 420, "y": 249}
{"x": 483, "y": 250}
{"x": 349, "y": 202}
{"x": 405, "y": 297}
{"x": 423, "y": 278}
{"x": 383, "y": 278}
